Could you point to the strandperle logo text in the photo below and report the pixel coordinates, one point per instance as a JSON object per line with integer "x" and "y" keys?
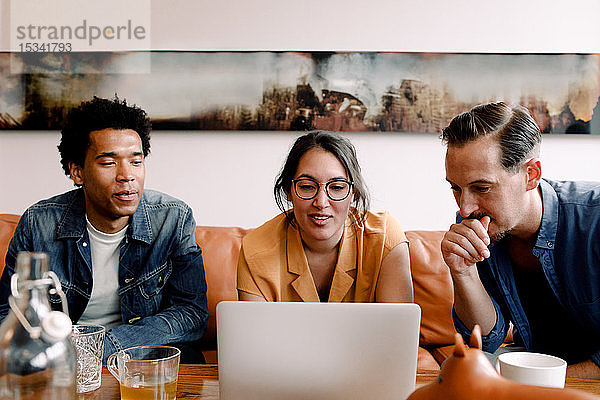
{"x": 85, "y": 31}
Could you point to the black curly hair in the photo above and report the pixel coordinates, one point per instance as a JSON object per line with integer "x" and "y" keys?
{"x": 95, "y": 115}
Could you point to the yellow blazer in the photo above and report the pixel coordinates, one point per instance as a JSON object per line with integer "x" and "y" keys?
{"x": 272, "y": 263}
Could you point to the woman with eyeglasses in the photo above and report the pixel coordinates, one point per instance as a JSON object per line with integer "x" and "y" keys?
{"x": 325, "y": 245}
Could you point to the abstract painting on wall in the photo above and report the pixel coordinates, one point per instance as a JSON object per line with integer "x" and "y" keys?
{"x": 364, "y": 92}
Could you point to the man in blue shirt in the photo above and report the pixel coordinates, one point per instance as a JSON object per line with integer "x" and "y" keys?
{"x": 126, "y": 257}
{"x": 524, "y": 249}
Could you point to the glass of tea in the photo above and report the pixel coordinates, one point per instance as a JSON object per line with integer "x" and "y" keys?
{"x": 146, "y": 372}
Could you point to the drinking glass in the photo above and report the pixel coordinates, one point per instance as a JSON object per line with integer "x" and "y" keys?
{"x": 146, "y": 372}
{"x": 88, "y": 341}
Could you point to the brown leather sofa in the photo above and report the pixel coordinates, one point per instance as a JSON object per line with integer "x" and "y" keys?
{"x": 220, "y": 246}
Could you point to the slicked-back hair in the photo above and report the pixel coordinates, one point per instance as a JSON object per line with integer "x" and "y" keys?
{"x": 95, "y": 115}
{"x": 517, "y": 133}
{"x": 343, "y": 150}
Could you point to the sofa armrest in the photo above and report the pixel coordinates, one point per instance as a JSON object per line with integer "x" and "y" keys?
{"x": 8, "y": 224}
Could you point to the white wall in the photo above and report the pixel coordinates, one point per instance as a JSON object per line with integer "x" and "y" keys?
{"x": 227, "y": 177}
{"x": 507, "y": 26}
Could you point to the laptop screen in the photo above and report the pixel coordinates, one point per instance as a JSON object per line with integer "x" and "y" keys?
{"x": 317, "y": 350}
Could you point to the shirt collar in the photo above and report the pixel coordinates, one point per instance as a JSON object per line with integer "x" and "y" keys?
{"x": 297, "y": 264}
{"x": 547, "y": 234}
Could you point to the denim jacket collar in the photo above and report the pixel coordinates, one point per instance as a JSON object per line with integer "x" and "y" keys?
{"x": 72, "y": 222}
{"x": 139, "y": 224}
{"x": 73, "y": 225}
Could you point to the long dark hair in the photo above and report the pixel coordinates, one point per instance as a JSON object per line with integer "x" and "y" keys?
{"x": 343, "y": 150}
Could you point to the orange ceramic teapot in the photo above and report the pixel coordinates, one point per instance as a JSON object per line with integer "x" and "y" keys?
{"x": 468, "y": 375}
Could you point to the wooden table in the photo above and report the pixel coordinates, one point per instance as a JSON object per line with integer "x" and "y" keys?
{"x": 202, "y": 382}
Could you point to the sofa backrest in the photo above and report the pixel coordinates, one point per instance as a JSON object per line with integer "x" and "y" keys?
{"x": 432, "y": 285}
{"x": 220, "y": 249}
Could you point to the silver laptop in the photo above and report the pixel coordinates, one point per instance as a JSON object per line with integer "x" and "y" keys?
{"x": 277, "y": 351}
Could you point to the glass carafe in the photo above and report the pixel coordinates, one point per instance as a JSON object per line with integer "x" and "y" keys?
{"x": 37, "y": 359}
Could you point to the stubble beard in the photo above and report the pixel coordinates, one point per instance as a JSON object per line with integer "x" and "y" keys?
{"x": 497, "y": 236}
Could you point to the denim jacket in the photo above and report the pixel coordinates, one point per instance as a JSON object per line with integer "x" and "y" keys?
{"x": 568, "y": 248}
{"x": 162, "y": 287}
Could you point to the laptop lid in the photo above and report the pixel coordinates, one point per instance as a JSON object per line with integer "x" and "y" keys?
{"x": 317, "y": 350}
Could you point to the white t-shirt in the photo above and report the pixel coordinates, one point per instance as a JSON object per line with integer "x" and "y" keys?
{"x": 104, "y": 307}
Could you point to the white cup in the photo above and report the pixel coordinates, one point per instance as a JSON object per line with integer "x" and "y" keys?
{"x": 532, "y": 368}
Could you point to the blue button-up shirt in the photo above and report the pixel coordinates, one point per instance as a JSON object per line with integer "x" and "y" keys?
{"x": 162, "y": 286}
{"x": 568, "y": 248}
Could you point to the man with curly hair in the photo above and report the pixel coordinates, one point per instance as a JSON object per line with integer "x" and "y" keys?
{"x": 126, "y": 257}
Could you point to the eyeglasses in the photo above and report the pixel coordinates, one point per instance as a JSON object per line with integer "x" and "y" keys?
{"x": 307, "y": 189}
